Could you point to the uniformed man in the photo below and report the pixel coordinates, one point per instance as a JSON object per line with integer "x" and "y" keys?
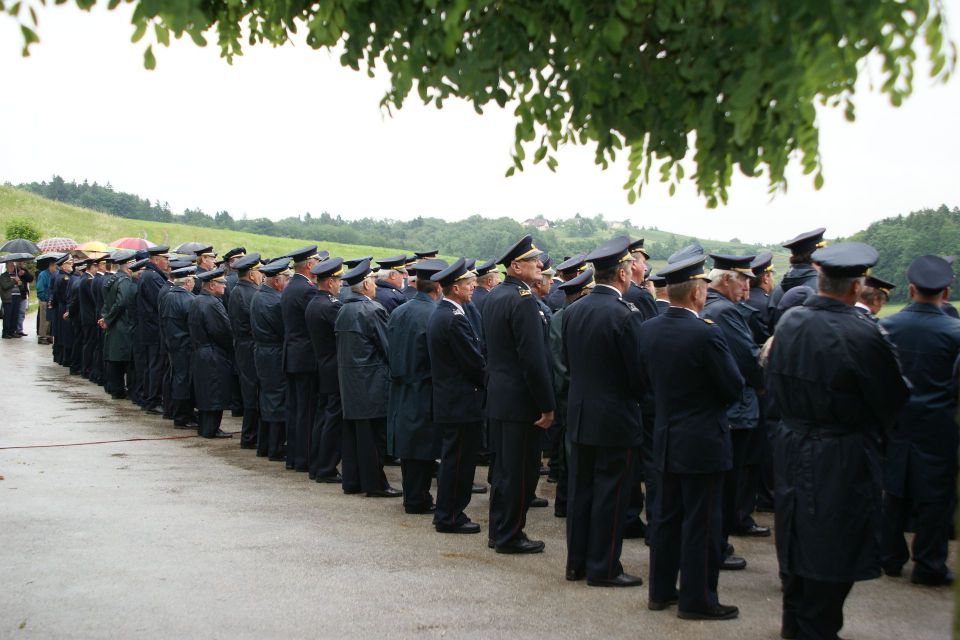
{"x": 266, "y": 326}
{"x": 62, "y": 334}
{"x": 119, "y": 309}
{"x": 390, "y": 279}
{"x": 299, "y": 362}
{"x": 836, "y": 382}
{"x": 920, "y": 466}
{"x": 519, "y": 399}
{"x": 573, "y": 290}
{"x": 364, "y": 374}
{"x": 637, "y": 294}
{"x": 321, "y": 317}
{"x": 211, "y": 363}
{"x": 567, "y": 270}
{"x": 757, "y": 305}
{"x": 600, "y": 346}
{"x": 694, "y": 379}
{"x": 412, "y": 436}
{"x": 88, "y": 319}
{"x": 72, "y": 316}
{"x": 410, "y": 291}
{"x": 206, "y": 260}
{"x": 248, "y": 277}
{"x": 487, "y": 278}
{"x": 729, "y": 282}
{"x": 876, "y": 293}
{"x": 660, "y": 293}
{"x": 456, "y": 368}
{"x": 135, "y": 390}
{"x": 801, "y": 271}
{"x": 230, "y": 272}
{"x": 174, "y": 322}
{"x": 96, "y": 365}
{"x": 153, "y": 278}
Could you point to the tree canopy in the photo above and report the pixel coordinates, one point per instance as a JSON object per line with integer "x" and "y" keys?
{"x": 728, "y": 84}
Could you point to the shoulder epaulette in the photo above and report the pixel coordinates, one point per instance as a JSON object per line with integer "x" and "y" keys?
{"x": 523, "y": 292}
{"x": 707, "y": 320}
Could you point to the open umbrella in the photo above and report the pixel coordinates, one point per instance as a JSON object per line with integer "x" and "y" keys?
{"x": 132, "y": 243}
{"x": 53, "y": 255}
{"x": 189, "y": 247}
{"x": 94, "y": 245}
{"x": 19, "y": 245}
{"x": 57, "y": 244}
{"x": 13, "y": 257}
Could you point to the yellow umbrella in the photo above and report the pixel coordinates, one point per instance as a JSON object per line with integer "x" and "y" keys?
{"x": 94, "y": 245}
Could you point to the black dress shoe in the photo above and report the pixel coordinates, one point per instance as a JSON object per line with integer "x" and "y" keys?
{"x": 236, "y": 413}
{"x": 165, "y": 416}
{"x": 729, "y": 550}
{"x": 575, "y": 575}
{"x": 754, "y": 531}
{"x": 337, "y": 479}
{"x": 261, "y": 454}
{"x": 466, "y": 527}
{"x": 418, "y": 510}
{"x": 288, "y": 466}
{"x": 520, "y": 545}
{"x": 389, "y": 492}
{"x": 539, "y": 502}
{"x": 184, "y": 425}
{"x": 490, "y": 544}
{"x": 544, "y": 471}
{"x": 719, "y": 612}
{"x": 934, "y": 580}
{"x": 893, "y": 571}
{"x": 156, "y": 410}
{"x": 302, "y": 469}
{"x": 622, "y": 580}
{"x": 352, "y": 492}
{"x": 559, "y": 512}
{"x": 660, "y": 605}
{"x": 733, "y": 563}
{"x": 248, "y": 445}
{"x": 277, "y": 458}
{"x": 635, "y": 529}
{"x": 478, "y": 488}
{"x": 220, "y": 434}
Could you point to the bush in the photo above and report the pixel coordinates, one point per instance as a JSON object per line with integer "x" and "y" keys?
{"x": 20, "y": 228}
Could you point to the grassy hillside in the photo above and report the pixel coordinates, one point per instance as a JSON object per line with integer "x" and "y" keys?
{"x": 57, "y": 219}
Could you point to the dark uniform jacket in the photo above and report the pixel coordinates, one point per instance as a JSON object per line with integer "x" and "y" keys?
{"x": 297, "y": 349}
{"x": 479, "y": 297}
{"x": 561, "y": 375}
{"x": 662, "y": 305}
{"x": 362, "y": 365}
{"x": 456, "y": 366}
{"x": 87, "y": 302}
{"x": 556, "y": 297}
{"x": 239, "y": 313}
{"x": 119, "y": 314}
{"x": 727, "y": 315}
{"x": 756, "y": 311}
{"x": 922, "y": 448}
{"x": 389, "y": 296}
{"x": 61, "y": 328}
{"x": 642, "y": 299}
{"x": 411, "y": 433}
{"x": 798, "y": 275}
{"x": 232, "y": 279}
{"x": 321, "y": 317}
{"x": 266, "y": 326}
{"x": 212, "y": 341}
{"x": 519, "y": 384}
{"x": 950, "y": 310}
{"x": 174, "y": 313}
{"x": 837, "y": 385}
{"x": 152, "y": 281}
{"x": 601, "y": 340}
{"x": 694, "y": 379}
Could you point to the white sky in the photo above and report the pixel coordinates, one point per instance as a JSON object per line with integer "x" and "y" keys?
{"x": 286, "y": 131}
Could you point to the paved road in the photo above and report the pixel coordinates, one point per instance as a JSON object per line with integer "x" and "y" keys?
{"x": 195, "y": 538}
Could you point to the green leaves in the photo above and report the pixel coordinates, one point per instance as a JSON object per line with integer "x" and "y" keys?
{"x": 149, "y": 62}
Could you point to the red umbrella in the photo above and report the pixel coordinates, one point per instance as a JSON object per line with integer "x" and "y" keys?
{"x": 132, "y": 243}
{"x": 57, "y": 244}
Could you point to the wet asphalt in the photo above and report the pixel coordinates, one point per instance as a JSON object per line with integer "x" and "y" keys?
{"x": 184, "y": 538}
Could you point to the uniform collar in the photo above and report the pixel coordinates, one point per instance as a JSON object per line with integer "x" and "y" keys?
{"x": 607, "y": 289}
{"x": 456, "y": 305}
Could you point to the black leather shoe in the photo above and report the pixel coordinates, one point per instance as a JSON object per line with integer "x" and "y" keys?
{"x": 660, "y": 605}
{"x": 733, "y": 563}
{"x": 575, "y": 575}
{"x": 719, "y": 612}
{"x": 337, "y": 479}
{"x": 156, "y": 411}
{"x": 248, "y": 445}
{"x": 893, "y": 571}
{"x": 352, "y": 492}
{"x": 622, "y": 580}
{"x": 288, "y": 466}
{"x": 559, "y": 512}
{"x": 755, "y": 531}
{"x": 302, "y": 469}
{"x": 539, "y": 502}
{"x": 478, "y": 488}
{"x": 389, "y": 492}
{"x": 279, "y": 458}
{"x": 236, "y": 413}
{"x": 466, "y": 527}
{"x": 519, "y": 545}
{"x": 729, "y": 550}
{"x": 417, "y": 510}
{"x": 184, "y": 425}
{"x": 635, "y": 529}
{"x": 221, "y": 434}
{"x": 490, "y": 544}
{"x": 936, "y": 580}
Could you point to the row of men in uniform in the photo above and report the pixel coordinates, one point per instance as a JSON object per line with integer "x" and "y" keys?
{"x": 512, "y": 361}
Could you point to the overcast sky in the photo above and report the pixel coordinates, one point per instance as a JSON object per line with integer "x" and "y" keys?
{"x": 286, "y": 131}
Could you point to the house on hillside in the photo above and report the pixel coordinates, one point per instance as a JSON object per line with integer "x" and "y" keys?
{"x": 539, "y": 223}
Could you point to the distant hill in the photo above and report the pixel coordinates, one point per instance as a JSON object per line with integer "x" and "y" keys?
{"x": 902, "y": 238}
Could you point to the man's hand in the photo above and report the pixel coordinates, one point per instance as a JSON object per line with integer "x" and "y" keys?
{"x": 101, "y": 323}
{"x": 546, "y": 419}
{"x": 66, "y": 315}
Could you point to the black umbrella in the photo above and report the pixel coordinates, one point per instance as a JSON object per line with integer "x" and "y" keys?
{"x": 14, "y": 257}
{"x": 20, "y": 245}
{"x": 189, "y": 247}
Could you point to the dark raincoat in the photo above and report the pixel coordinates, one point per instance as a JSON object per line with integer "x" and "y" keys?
{"x": 243, "y": 344}
{"x": 362, "y": 348}
{"x": 266, "y": 327}
{"x": 174, "y": 312}
{"x": 212, "y": 363}
{"x": 119, "y": 314}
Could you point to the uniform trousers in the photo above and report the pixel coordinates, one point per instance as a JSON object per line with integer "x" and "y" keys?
{"x": 364, "y": 449}
{"x": 182, "y": 411}
{"x": 153, "y": 371}
{"x": 416, "y": 476}
{"x": 209, "y": 423}
{"x": 301, "y": 410}
{"x": 516, "y": 470}
{"x": 563, "y": 475}
{"x": 813, "y": 609}
{"x": 687, "y": 540}
{"x": 96, "y": 366}
{"x": 651, "y": 477}
{"x": 76, "y": 349}
{"x": 89, "y": 349}
{"x": 117, "y": 377}
{"x": 458, "y": 463}
{"x": 250, "y": 428}
{"x": 168, "y": 402}
{"x": 271, "y": 439}
{"x": 327, "y": 436}
{"x": 931, "y": 524}
{"x": 600, "y": 480}
{"x": 134, "y": 380}
{"x": 743, "y": 479}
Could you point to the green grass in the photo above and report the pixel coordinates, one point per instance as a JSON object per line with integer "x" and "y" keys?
{"x": 57, "y": 219}
{"x": 892, "y": 308}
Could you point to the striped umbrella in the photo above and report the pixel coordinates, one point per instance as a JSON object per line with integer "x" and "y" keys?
{"x": 57, "y": 244}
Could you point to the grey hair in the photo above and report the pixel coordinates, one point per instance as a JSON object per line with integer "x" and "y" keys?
{"x": 835, "y": 286}
{"x": 681, "y": 291}
{"x": 716, "y": 275}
